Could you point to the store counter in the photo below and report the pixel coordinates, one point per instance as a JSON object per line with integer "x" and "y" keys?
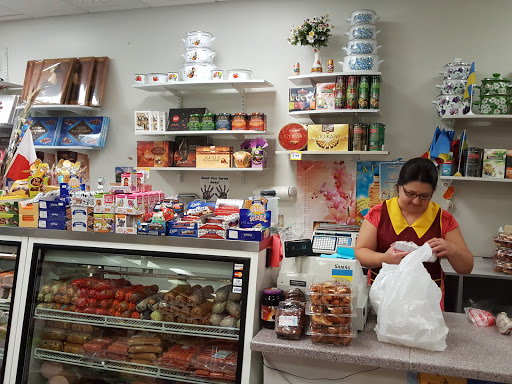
{"x": 472, "y": 352}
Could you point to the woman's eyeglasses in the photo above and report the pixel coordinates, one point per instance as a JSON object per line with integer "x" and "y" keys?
{"x": 413, "y": 195}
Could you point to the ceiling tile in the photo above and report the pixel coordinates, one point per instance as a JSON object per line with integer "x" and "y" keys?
{"x": 7, "y": 12}
{"x": 106, "y": 5}
{"x": 41, "y": 8}
{"x": 165, "y": 3}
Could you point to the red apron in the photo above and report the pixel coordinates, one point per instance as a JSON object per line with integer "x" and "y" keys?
{"x": 386, "y": 236}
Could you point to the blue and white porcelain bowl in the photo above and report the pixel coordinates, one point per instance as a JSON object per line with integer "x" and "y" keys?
{"x": 362, "y": 47}
{"x": 362, "y": 31}
{"x": 363, "y": 16}
{"x": 361, "y": 63}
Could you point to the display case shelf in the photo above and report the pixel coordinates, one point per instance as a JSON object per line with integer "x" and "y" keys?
{"x": 313, "y": 78}
{"x": 223, "y": 134}
{"x": 181, "y": 86}
{"x": 47, "y": 109}
{"x": 120, "y": 366}
{"x": 146, "y": 325}
{"x": 330, "y": 153}
{"x": 484, "y": 179}
{"x": 5, "y": 305}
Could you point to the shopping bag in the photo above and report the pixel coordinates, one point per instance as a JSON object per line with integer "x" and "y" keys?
{"x": 407, "y": 303}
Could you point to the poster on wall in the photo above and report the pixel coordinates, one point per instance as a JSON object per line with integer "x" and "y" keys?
{"x": 388, "y": 174}
{"x": 325, "y": 194}
{"x": 214, "y": 187}
{"x": 367, "y": 188}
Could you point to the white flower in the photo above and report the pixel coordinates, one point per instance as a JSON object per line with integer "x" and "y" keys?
{"x": 321, "y": 28}
{"x": 312, "y": 33}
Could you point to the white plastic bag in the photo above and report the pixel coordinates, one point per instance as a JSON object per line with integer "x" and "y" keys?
{"x": 407, "y": 302}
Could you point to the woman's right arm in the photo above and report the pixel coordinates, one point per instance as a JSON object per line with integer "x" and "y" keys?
{"x": 366, "y": 246}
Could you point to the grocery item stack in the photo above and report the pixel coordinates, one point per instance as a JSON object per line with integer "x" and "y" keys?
{"x": 503, "y": 255}
{"x": 451, "y": 100}
{"x": 495, "y": 95}
{"x": 330, "y": 310}
{"x": 362, "y": 47}
{"x": 199, "y": 57}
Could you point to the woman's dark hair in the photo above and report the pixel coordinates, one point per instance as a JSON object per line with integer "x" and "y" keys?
{"x": 418, "y": 169}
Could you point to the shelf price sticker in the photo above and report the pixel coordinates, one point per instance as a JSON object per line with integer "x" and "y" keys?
{"x": 295, "y": 155}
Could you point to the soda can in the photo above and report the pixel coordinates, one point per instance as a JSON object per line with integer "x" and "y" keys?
{"x": 375, "y": 93}
{"x": 296, "y": 69}
{"x": 376, "y": 137}
{"x": 359, "y": 137}
{"x": 330, "y": 66}
{"x": 351, "y": 92}
{"x": 340, "y": 92}
{"x": 364, "y": 90}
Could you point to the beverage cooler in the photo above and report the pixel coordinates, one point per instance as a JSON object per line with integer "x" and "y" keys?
{"x": 119, "y": 315}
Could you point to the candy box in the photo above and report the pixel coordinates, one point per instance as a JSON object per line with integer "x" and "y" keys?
{"x": 54, "y": 215}
{"x": 81, "y": 212}
{"x": 104, "y": 222}
{"x": 151, "y": 229}
{"x": 52, "y": 224}
{"x": 248, "y": 234}
{"x": 185, "y": 150}
{"x": 155, "y": 153}
{"x": 178, "y": 118}
{"x": 216, "y": 227}
{"x": 328, "y": 137}
{"x": 45, "y": 130}
{"x": 325, "y": 96}
{"x": 99, "y": 204}
{"x": 127, "y": 224}
{"x": 255, "y": 214}
{"x": 214, "y": 157}
{"x": 82, "y": 226}
{"x": 133, "y": 204}
{"x": 9, "y": 207}
{"x": 29, "y": 214}
{"x": 302, "y": 99}
{"x": 84, "y": 131}
{"x": 9, "y": 219}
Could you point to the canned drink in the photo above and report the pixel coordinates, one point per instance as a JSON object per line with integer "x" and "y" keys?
{"x": 296, "y": 69}
{"x": 340, "y": 92}
{"x": 359, "y": 137}
{"x": 376, "y": 137}
{"x": 364, "y": 89}
{"x": 351, "y": 92}
{"x": 330, "y": 66}
{"x": 375, "y": 93}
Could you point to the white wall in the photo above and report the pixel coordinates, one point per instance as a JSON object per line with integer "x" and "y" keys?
{"x": 418, "y": 38}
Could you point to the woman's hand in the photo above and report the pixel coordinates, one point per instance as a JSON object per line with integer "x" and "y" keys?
{"x": 441, "y": 247}
{"x": 392, "y": 256}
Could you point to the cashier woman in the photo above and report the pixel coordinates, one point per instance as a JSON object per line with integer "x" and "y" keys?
{"x": 411, "y": 216}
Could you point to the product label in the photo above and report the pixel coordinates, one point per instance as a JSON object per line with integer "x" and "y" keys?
{"x": 298, "y": 283}
{"x": 221, "y": 354}
{"x": 288, "y": 321}
{"x": 268, "y": 312}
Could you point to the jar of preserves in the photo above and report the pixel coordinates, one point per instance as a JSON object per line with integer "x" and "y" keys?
{"x": 208, "y": 123}
{"x": 239, "y": 122}
{"x": 257, "y": 122}
{"x": 194, "y": 122}
{"x": 269, "y": 303}
{"x": 223, "y": 122}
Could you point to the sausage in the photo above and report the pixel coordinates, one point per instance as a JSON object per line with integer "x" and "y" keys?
{"x": 145, "y": 340}
{"x": 171, "y": 295}
{"x": 82, "y": 328}
{"x": 202, "y": 309}
{"x": 78, "y": 337}
{"x": 52, "y": 345}
{"x": 143, "y": 362}
{"x": 119, "y": 348}
{"x": 72, "y": 348}
{"x": 54, "y": 334}
{"x": 144, "y": 356}
{"x": 200, "y": 295}
{"x": 145, "y": 349}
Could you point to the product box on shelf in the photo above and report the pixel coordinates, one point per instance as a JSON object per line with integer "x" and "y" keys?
{"x": 215, "y": 226}
{"x": 143, "y": 121}
{"x": 155, "y": 153}
{"x": 55, "y": 215}
{"x": 84, "y": 131}
{"x": 328, "y": 137}
{"x": 162, "y": 124}
{"x": 82, "y": 218}
{"x": 152, "y": 229}
{"x": 214, "y": 157}
{"x": 248, "y": 234}
{"x": 45, "y": 130}
{"x": 109, "y": 203}
{"x": 178, "y": 118}
{"x": 494, "y": 163}
{"x": 254, "y": 213}
{"x": 9, "y": 207}
{"x": 52, "y": 205}
{"x": 99, "y": 204}
{"x": 52, "y": 224}
{"x": 182, "y": 228}
{"x": 508, "y": 165}
{"x": 325, "y": 96}
{"x": 29, "y": 214}
{"x": 82, "y": 225}
{"x": 9, "y": 219}
{"x": 104, "y": 222}
{"x": 185, "y": 150}
{"x": 302, "y": 99}
{"x": 127, "y": 224}
{"x": 155, "y": 121}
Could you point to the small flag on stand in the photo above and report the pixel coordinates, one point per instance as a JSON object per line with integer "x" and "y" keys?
{"x": 468, "y": 92}
{"x": 462, "y": 146}
{"x": 24, "y": 157}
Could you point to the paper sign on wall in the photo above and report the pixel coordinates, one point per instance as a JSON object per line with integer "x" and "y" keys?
{"x": 214, "y": 187}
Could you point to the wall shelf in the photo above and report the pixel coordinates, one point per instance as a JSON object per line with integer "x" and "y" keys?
{"x": 7, "y": 85}
{"x": 334, "y": 113}
{"x": 5, "y": 126}
{"x": 314, "y": 78}
{"x": 235, "y": 134}
{"x": 65, "y": 148}
{"x": 478, "y": 117}
{"x": 50, "y": 108}
{"x": 339, "y": 153}
{"x": 184, "y": 86}
{"x": 484, "y": 179}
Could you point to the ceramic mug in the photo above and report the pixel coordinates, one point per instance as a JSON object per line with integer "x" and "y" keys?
{"x": 172, "y": 77}
{"x": 217, "y": 74}
{"x": 157, "y": 78}
{"x": 141, "y": 78}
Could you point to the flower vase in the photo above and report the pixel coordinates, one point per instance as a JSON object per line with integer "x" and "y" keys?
{"x": 317, "y": 64}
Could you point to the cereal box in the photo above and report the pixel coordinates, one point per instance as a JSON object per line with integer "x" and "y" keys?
{"x": 214, "y": 157}
{"x": 494, "y": 163}
{"x": 302, "y": 99}
{"x": 325, "y": 96}
{"x": 155, "y": 153}
{"x": 328, "y": 137}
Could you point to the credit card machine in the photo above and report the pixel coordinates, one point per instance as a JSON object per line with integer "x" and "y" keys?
{"x": 328, "y": 237}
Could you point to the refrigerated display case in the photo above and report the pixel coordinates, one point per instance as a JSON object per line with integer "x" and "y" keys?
{"x": 111, "y": 313}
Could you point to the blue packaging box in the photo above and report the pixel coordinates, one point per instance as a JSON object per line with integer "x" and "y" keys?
{"x": 248, "y": 234}
{"x": 182, "y": 229}
{"x": 52, "y": 224}
{"x": 84, "y": 131}
{"x": 151, "y": 229}
{"x": 249, "y": 219}
{"x": 53, "y": 205}
{"x": 54, "y": 215}
{"x": 45, "y": 130}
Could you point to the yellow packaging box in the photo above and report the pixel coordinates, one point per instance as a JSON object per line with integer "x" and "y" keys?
{"x": 29, "y": 215}
{"x": 328, "y": 137}
{"x": 214, "y": 157}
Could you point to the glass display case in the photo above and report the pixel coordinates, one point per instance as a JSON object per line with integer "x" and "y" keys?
{"x": 123, "y": 316}
{"x": 8, "y": 267}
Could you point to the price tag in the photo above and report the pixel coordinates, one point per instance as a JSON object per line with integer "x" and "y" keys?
{"x": 295, "y": 155}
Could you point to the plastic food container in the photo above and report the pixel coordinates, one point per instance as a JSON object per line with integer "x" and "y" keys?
{"x": 312, "y": 309}
{"x": 157, "y": 78}
{"x": 199, "y": 39}
{"x": 503, "y": 254}
{"x": 332, "y": 293}
{"x": 290, "y": 319}
{"x": 330, "y": 335}
{"x": 503, "y": 240}
{"x": 239, "y": 74}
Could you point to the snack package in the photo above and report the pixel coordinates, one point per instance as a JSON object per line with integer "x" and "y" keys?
{"x": 290, "y": 319}
{"x": 479, "y": 317}
{"x": 503, "y": 323}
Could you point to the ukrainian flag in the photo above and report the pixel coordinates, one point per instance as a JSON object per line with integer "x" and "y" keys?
{"x": 471, "y": 80}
